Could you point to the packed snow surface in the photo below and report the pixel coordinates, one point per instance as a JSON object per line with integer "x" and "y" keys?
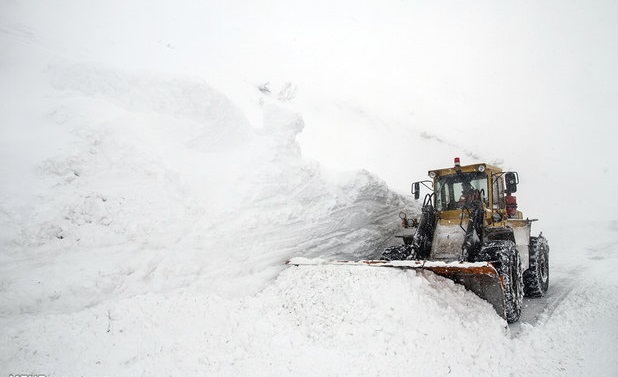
{"x": 155, "y": 179}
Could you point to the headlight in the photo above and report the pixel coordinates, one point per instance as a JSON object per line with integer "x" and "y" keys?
{"x": 432, "y": 174}
{"x": 481, "y": 168}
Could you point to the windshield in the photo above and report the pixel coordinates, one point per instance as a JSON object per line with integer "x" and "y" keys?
{"x": 452, "y": 189}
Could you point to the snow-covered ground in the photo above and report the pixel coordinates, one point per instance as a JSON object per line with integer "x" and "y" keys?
{"x": 160, "y": 162}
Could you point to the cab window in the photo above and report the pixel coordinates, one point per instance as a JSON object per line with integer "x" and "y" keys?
{"x": 497, "y": 192}
{"x": 451, "y": 188}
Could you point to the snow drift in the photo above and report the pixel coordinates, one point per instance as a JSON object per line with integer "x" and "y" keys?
{"x": 169, "y": 167}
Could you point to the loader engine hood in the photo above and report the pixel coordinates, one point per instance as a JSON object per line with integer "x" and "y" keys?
{"x": 448, "y": 238}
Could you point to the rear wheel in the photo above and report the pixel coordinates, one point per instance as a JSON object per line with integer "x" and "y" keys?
{"x": 506, "y": 259}
{"x": 536, "y": 277}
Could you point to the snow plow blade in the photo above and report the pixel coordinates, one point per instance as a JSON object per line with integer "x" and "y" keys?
{"x": 481, "y": 277}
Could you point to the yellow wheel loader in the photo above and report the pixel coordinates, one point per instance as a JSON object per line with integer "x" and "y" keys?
{"x": 471, "y": 231}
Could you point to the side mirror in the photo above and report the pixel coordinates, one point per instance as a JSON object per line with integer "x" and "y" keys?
{"x": 416, "y": 190}
{"x": 512, "y": 179}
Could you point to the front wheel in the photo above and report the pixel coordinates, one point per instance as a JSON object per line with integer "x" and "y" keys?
{"x": 508, "y": 265}
{"x": 536, "y": 277}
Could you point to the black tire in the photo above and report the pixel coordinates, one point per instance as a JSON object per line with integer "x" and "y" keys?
{"x": 400, "y": 252}
{"x": 536, "y": 277}
{"x": 421, "y": 241}
{"x": 506, "y": 259}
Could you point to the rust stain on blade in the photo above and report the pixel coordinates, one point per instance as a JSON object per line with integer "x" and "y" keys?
{"x": 448, "y": 271}
{"x": 399, "y": 264}
{"x": 375, "y": 262}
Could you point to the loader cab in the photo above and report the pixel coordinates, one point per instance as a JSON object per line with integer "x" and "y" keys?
{"x": 450, "y": 188}
{"x": 454, "y": 188}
